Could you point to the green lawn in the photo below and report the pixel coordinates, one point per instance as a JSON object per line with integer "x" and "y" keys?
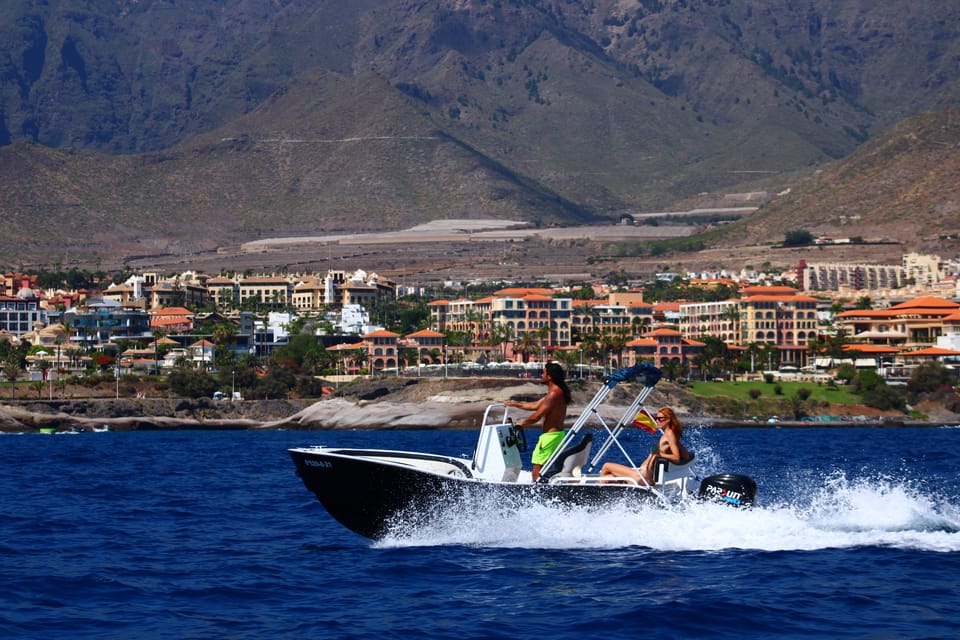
{"x": 741, "y": 390}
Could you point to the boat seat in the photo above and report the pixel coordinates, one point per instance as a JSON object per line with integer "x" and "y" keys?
{"x": 665, "y": 471}
{"x": 568, "y": 463}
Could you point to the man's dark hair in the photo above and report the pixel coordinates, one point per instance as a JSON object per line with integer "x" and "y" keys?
{"x": 555, "y": 371}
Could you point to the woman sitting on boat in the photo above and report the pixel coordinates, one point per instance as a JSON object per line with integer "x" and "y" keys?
{"x": 668, "y": 448}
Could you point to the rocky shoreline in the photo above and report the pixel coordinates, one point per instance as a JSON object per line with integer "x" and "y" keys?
{"x": 372, "y": 404}
{"x": 391, "y": 403}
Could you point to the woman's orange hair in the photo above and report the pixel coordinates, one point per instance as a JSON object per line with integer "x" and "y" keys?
{"x": 674, "y": 421}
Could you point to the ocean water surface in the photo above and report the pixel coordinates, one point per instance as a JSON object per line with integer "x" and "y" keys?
{"x": 210, "y": 534}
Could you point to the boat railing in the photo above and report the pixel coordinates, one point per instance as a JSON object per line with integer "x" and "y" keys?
{"x": 490, "y": 408}
{"x": 670, "y": 480}
{"x": 581, "y": 480}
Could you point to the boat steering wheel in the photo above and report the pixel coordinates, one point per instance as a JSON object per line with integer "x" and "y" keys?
{"x": 517, "y": 437}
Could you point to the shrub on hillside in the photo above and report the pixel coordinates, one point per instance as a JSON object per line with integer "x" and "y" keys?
{"x": 884, "y": 398}
{"x": 192, "y": 383}
{"x": 930, "y": 377}
{"x": 846, "y": 372}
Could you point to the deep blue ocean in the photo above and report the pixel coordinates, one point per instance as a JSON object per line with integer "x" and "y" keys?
{"x": 210, "y": 534}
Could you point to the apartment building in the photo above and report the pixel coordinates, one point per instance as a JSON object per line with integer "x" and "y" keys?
{"x": 788, "y": 320}
{"x": 513, "y": 314}
{"x": 102, "y": 321}
{"x": 20, "y": 313}
{"x": 923, "y": 270}
{"x": 607, "y": 317}
{"x": 721, "y": 319}
{"x": 309, "y": 294}
{"x": 223, "y": 292}
{"x": 662, "y": 346}
{"x": 266, "y": 290}
{"x": 917, "y": 323}
{"x": 836, "y": 276}
{"x": 382, "y": 349}
{"x": 765, "y": 315}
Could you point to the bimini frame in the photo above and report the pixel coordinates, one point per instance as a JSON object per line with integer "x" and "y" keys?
{"x": 651, "y": 375}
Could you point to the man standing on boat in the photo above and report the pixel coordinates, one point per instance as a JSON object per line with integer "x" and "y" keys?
{"x": 552, "y": 409}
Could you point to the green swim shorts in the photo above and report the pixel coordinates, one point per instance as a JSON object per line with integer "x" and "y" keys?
{"x": 546, "y": 445}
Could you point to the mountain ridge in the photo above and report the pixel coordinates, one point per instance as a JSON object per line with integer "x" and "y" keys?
{"x": 156, "y": 121}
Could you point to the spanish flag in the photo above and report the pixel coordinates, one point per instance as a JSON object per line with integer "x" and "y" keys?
{"x": 645, "y": 421}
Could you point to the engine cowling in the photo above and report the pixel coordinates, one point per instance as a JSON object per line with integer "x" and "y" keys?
{"x": 729, "y": 488}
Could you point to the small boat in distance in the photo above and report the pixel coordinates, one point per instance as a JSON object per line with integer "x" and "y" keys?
{"x": 375, "y": 492}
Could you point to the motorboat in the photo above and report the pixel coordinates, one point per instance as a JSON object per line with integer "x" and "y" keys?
{"x": 374, "y": 492}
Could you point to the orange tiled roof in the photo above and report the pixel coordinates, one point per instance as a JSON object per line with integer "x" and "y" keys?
{"x": 382, "y": 333}
{"x": 897, "y": 313}
{"x": 425, "y": 333}
{"x": 663, "y": 332}
{"x": 173, "y": 311}
{"x": 932, "y": 351}
{"x": 779, "y": 298}
{"x": 642, "y": 342}
{"x": 589, "y": 303}
{"x": 668, "y": 306}
{"x": 870, "y": 348}
{"x": 519, "y": 292}
{"x": 927, "y": 302}
{"x": 868, "y": 313}
{"x": 771, "y": 290}
{"x": 168, "y": 322}
{"x": 264, "y": 280}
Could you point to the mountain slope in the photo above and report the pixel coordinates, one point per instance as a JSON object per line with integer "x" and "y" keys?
{"x": 903, "y": 185}
{"x": 310, "y": 116}
{"x": 356, "y": 145}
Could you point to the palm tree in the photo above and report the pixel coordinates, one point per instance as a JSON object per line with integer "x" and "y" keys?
{"x": 543, "y": 333}
{"x": 591, "y": 348}
{"x": 671, "y": 368}
{"x": 753, "y": 352}
{"x": 11, "y": 370}
{"x": 731, "y": 314}
{"x": 527, "y": 345}
{"x": 614, "y": 344}
{"x": 640, "y": 325}
{"x": 501, "y": 336}
{"x": 569, "y": 359}
{"x": 468, "y": 321}
{"x": 715, "y": 354}
{"x": 223, "y": 332}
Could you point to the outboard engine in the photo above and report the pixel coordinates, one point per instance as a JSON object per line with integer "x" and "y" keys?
{"x": 735, "y": 490}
